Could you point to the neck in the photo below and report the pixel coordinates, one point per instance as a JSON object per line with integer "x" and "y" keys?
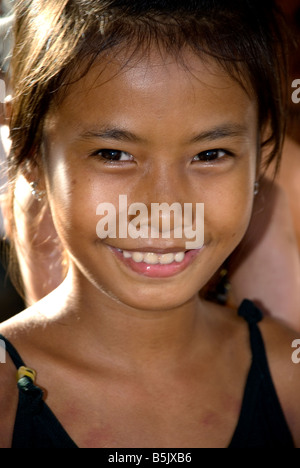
{"x": 126, "y": 335}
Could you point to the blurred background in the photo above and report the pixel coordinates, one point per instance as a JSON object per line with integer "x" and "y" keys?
{"x": 291, "y": 9}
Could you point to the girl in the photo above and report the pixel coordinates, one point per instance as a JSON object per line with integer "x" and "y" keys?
{"x": 164, "y": 102}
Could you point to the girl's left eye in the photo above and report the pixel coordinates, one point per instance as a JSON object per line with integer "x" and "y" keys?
{"x": 113, "y": 155}
{"x": 211, "y": 155}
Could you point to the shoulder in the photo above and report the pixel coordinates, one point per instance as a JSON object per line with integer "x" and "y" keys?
{"x": 282, "y": 346}
{"x": 23, "y": 329}
{"x": 8, "y": 399}
{"x": 27, "y": 332}
{"x": 283, "y": 352}
{"x": 18, "y": 331}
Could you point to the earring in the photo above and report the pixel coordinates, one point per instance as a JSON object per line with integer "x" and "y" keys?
{"x": 256, "y": 188}
{"x": 37, "y": 194}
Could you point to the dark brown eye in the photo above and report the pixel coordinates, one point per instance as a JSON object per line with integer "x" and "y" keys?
{"x": 211, "y": 155}
{"x": 113, "y": 155}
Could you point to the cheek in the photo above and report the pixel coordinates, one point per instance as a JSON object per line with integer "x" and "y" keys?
{"x": 74, "y": 195}
{"x": 71, "y": 200}
{"x": 228, "y": 210}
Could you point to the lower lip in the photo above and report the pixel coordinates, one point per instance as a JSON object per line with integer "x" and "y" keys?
{"x": 158, "y": 271}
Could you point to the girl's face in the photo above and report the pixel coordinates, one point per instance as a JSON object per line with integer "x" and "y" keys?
{"x": 157, "y": 132}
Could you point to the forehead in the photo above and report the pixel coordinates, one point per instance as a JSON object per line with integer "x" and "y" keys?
{"x": 151, "y": 90}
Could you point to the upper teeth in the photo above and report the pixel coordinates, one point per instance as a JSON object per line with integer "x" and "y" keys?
{"x": 152, "y": 258}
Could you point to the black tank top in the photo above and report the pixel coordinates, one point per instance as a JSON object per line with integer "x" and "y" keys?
{"x": 261, "y": 424}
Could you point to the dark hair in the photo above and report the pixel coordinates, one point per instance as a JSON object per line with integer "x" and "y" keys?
{"x": 53, "y": 36}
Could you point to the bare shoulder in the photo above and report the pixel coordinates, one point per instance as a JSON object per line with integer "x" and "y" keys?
{"x": 19, "y": 327}
{"x": 283, "y": 352}
{"x": 25, "y": 328}
{"x": 8, "y": 398}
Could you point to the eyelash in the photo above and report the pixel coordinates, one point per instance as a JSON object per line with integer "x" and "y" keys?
{"x": 101, "y": 152}
{"x": 207, "y": 159}
{"x": 206, "y": 155}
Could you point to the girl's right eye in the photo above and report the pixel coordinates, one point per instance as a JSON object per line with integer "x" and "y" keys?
{"x": 113, "y": 155}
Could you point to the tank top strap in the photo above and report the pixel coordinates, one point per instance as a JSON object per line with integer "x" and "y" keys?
{"x": 262, "y": 421}
{"x": 253, "y": 316}
{"x": 25, "y": 375}
{"x": 250, "y": 312}
{"x": 35, "y": 424}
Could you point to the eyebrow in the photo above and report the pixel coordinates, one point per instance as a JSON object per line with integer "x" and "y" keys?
{"x": 119, "y": 134}
{"x": 112, "y": 133}
{"x": 220, "y": 132}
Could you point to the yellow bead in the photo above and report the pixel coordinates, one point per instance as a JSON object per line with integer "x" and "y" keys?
{"x": 26, "y": 372}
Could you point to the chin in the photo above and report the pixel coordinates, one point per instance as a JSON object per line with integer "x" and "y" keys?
{"x": 160, "y": 300}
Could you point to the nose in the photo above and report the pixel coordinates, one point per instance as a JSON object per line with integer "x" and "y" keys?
{"x": 164, "y": 182}
{"x": 164, "y": 190}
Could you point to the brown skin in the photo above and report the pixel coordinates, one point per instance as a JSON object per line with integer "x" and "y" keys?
{"x": 265, "y": 267}
{"x": 289, "y": 180}
{"x": 129, "y": 361}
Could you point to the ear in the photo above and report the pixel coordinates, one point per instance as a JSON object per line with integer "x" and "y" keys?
{"x": 30, "y": 172}
{"x": 33, "y": 173}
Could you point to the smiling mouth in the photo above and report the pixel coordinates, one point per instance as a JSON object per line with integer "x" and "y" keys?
{"x": 157, "y": 264}
{"x": 153, "y": 258}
